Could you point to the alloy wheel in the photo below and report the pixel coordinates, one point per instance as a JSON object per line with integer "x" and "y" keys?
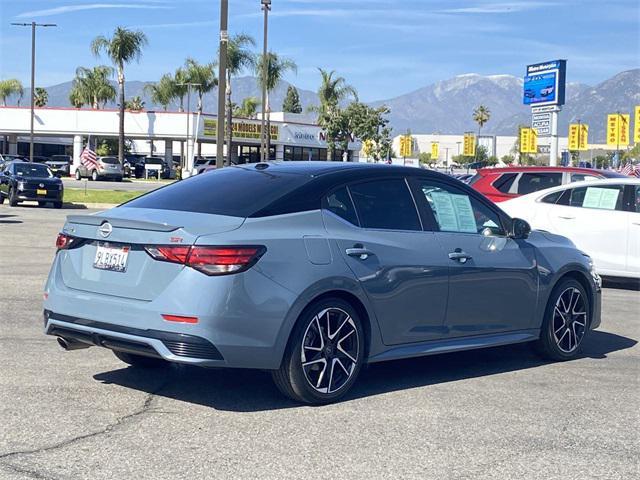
{"x": 330, "y": 350}
{"x": 569, "y": 320}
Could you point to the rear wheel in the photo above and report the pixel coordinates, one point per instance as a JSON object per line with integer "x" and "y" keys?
{"x": 41, "y": 203}
{"x": 566, "y": 321}
{"x": 13, "y": 197}
{"x": 324, "y": 355}
{"x": 57, "y": 205}
{"x": 78, "y": 176}
{"x": 140, "y": 361}
{"x": 94, "y": 175}
{"x": 1, "y": 199}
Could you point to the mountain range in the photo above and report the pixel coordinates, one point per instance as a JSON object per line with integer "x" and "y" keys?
{"x": 446, "y": 106}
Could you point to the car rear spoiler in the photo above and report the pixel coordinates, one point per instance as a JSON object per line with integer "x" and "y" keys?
{"x": 98, "y": 220}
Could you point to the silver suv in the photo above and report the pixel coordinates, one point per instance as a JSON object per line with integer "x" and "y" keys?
{"x": 104, "y": 168}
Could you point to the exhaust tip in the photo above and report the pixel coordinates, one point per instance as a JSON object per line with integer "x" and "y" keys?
{"x": 63, "y": 343}
{"x": 68, "y": 345}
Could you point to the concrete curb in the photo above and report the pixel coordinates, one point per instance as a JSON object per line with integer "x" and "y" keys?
{"x": 80, "y": 205}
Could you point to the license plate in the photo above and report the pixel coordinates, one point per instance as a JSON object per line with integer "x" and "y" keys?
{"x": 40, "y": 191}
{"x": 113, "y": 259}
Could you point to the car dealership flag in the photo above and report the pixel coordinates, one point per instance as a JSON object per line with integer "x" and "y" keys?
{"x": 88, "y": 158}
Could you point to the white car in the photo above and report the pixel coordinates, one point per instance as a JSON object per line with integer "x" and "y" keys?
{"x": 602, "y": 217}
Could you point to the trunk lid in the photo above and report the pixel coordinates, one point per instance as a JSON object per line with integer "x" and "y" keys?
{"x": 144, "y": 277}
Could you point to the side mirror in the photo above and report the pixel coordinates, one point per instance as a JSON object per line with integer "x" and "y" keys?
{"x": 520, "y": 229}
{"x": 6, "y": 173}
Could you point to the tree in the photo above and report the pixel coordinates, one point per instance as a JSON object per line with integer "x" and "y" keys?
{"x": 481, "y": 115}
{"x": 41, "y": 97}
{"x": 204, "y": 76}
{"x": 248, "y": 108}
{"x": 122, "y": 48}
{"x": 161, "y": 92}
{"x": 92, "y": 87}
{"x": 11, "y": 86}
{"x": 291, "y": 102}
{"x": 239, "y": 58}
{"x": 275, "y": 67}
{"x": 424, "y": 158}
{"x": 179, "y": 88}
{"x": 332, "y": 91}
{"x": 135, "y": 104}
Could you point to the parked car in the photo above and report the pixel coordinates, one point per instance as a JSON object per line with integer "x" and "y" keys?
{"x": 200, "y": 165}
{"x": 311, "y": 270}
{"x": 60, "y": 164}
{"x": 25, "y": 181}
{"x": 6, "y": 158}
{"x": 601, "y": 217}
{"x": 166, "y": 171}
{"x": 133, "y": 166}
{"x": 105, "y": 168}
{"x": 500, "y": 184}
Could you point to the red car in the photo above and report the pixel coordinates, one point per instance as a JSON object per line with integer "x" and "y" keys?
{"x": 500, "y": 184}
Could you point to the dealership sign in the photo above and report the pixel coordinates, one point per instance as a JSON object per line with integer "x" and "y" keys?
{"x": 542, "y": 123}
{"x": 544, "y": 83}
{"x": 241, "y": 129}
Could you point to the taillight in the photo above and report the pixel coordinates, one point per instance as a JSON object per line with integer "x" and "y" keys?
{"x": 63, "y": 241}
{"x": 209, "y": 260}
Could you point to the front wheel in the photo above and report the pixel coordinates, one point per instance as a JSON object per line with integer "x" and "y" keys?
{"x": 324, "y": 355}
{"x": 94, "y": 175}
{"x": 140, "y": 361}
{"x": 13, "y": 197}
{"x": 566, "y": 321}
{"x": 78, "y": 176}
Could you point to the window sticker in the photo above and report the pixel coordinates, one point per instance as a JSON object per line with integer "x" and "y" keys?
{"x": 454, "y": 212}
{"x": 602, "y": 198}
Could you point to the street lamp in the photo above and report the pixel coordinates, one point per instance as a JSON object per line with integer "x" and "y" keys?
{"x": 33, "y": 26}
{"x": 187, "y": 156}
{"x": 222, "y": 82}
{"x": 266, "y": 7}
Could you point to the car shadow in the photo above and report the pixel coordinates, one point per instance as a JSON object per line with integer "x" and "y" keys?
{"x": 632, "y": 284}
{"x": 253, "y": 390}
{"x": 4, "y": 219}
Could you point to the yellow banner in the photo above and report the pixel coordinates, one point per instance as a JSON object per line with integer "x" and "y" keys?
{"x": 636, "y": 125}
{"x": 578, "y": 136}
{"x": 533, "y": 141}
{"x": 623, "y": 126}
{"x": 525, "y": 133}
{"x": 406, "y": 145}
{"x": 435, "y": 150}
{"x": 469, "y": 145}
{"x": 613, "y": 130}
{"x": 240, "y": 129}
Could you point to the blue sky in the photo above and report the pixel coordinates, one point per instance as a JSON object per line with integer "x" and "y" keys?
{"x": 383, "y": 47}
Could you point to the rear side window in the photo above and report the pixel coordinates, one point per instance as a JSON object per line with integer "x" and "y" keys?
{"x": 232, "y": 191}
{"x": 385, "y": 204}
{"x": 339, "y": 202}
{"x": 534, "y": 181}
{"x": 504, "y": 182}
{"x": 552, "y": 197}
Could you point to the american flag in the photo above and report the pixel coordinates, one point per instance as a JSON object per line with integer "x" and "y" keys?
{"x": 89, "y": 158}
{"x": 636, "y": 171}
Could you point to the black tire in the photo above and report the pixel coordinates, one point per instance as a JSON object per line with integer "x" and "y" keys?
{"x": 94, "y": 175}
{"x": 13, "y": 198}
{"x": 330, "y": 355}
{"x": 140, "y": 361}
{"x": 78, "y": 175}
{"x": 118, "y": 179}
{"x": 563, "y": 332}
{"x": 57, "y": 205}
{"x": 41, "y": 203}
{"x": 1, "y": 199}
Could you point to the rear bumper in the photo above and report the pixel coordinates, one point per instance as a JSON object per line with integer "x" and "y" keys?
{"x": 171, "y": 346}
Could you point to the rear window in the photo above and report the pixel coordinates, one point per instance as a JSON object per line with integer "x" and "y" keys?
{"x": 534, "y": 181}
{"x": 504, "y": 182}
{"x": 109, "y": 160}
{"x": 232, "y": 191}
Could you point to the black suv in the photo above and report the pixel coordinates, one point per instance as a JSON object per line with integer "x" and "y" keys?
{"x": 20, "y": 181}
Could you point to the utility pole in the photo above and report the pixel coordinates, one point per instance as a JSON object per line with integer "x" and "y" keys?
{"x": 264, "y": 155}
{"x": 33, "y": 26}
{"x": 222, "y": 82}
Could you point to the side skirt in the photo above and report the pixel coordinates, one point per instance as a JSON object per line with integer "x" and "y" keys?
{"x": 435, "y": 347}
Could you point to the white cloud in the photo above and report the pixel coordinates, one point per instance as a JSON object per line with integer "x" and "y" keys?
{"x": 91, "y": 6}
{"x": 501, "y": 7}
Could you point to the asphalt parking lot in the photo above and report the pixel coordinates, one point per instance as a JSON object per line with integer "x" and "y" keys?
{"x": 499, "y": 413}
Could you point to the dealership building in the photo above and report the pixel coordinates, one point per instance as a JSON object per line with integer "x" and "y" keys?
{"x": 164, "y": 134}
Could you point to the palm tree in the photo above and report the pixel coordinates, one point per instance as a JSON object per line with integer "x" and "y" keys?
{"x": 10, "y": 87}
{"x": 41, "y": 97}
{"x": 122, "y": 48}
{"x": 248, "y": 108}
{"x": 276, "y": 67}
{"x": 332, "y": 91}
{"x": 179, "y": 88}
{"x": 481, "y": 115}
{"x": 202, "y": 75}
{"x": 162, "y": 92}
{"x": 136, "y": 104}
{"x": 238, "y": 59}
{"x": 92, "y": 87}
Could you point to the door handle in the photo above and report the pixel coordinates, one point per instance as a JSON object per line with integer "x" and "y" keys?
{"x": 360, "y": 252}
{"x": 636, "y": 223}
{"x": 460, "y": 256}
{"x": 564, "y": 217}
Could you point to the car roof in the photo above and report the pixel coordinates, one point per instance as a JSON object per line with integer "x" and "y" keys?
{"x": 317, "y": 168}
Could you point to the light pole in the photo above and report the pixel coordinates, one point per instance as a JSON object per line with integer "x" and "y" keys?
{"x": 266, "y": 7}
{"x": 222, "y": 82}
{"x": 187, "y": 155}
{"x": 33, "y": 26}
